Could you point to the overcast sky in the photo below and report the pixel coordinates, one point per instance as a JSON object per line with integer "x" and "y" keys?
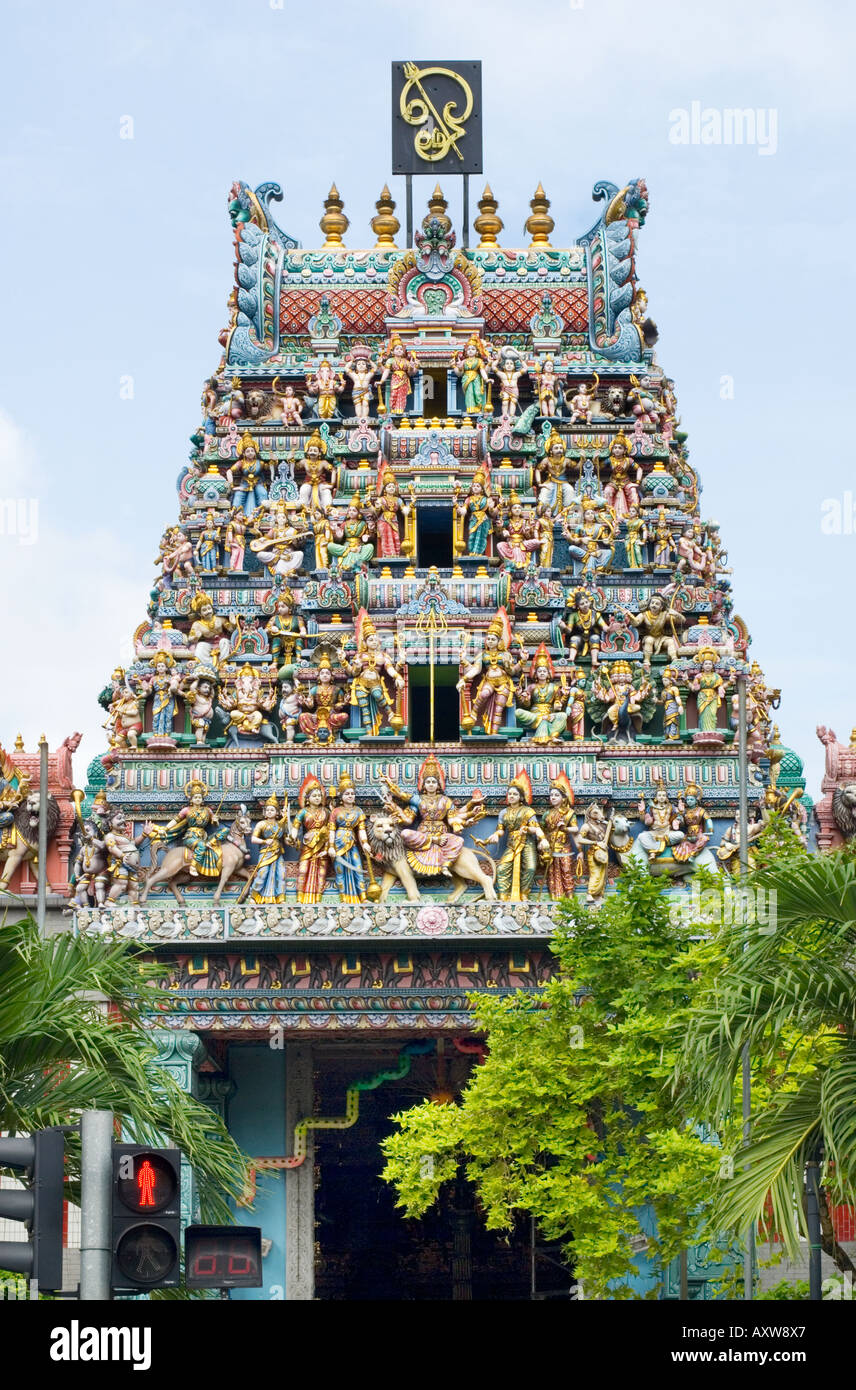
{"x": 118, "y": 263}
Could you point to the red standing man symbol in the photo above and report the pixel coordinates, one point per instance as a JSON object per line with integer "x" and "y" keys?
{"x": 146, "y": 1177}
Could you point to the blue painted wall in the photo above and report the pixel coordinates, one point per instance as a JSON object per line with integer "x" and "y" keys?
{"x": 256, "y": 1119}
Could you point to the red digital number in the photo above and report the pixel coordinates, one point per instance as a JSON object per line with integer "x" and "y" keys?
{"x": 205, "y": 1265}
{"x": 239, "y": 1264}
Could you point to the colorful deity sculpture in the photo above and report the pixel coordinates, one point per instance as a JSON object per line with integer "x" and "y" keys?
{"x": 665, "y": 549}
{"x": 560, "y": 828}
{"x": 123, "y": 857}
{"x": 390, "y": 515}
{"x": 547, "y": 387}
{"x": 540, "y": 705}
{"x": 207, "y": 549}
{"x": 435, "y": 846}
{"x": 208, "y": 635}
{"x": 471, "y": 366}
{"x": 310, "y": 832}
{"x": 271, "y": 834}
{"x": 353, "y": 546}
{"x": 399, "y": 366}
{"x": 519, "y": 541}
{"x": 245, "y": 476}
{"x": 592, "y": 841}
{"x": 555, "y": 493}
{"x": 175, "y": 557}
{"x": 369, "y": 693}
{"x": 592, "y": 539}
{"x": 509, "y": 369}
{"x": 692, "y": 561}
{"x": 162, "y": 686}
{"x": 575, "y": 696}
{"x": 695, "y": 823}
{"x": 286, "y": 630}
{"x": 710, "y": 687}
{"x": 361, "y": 367}
{"x": 635, "y": 536}
{"x": 658, "y": 624}
{"x": 192, "y": 828}
{"x": 199, "y": 693}
{"x": 622, "y": 490}
{"x": 487, "y": 684}
{"x": 582, "y": 400}
{"x": 477, "y": 513}
{"x": 323, "y": 712}
{"x": 349, "y": 848}
{"x": 524, "y": 839}
{"x": 249, "y": 700}
{"x": 290, "y": 406}
{"x": 583, "y": 624}
{"x": 124, "y": 719}
{"x": 235, "y": 540}
{"x": 673, "y": 705}
{"x": 622, "y": 702}
{"x": 275, "y": 546}
{"x": 89, "y": 871}
{"x": 326, "y": 384}
{"x": 642, "y": 403}
{"x": 316, "y": 490}
{"x": 662, "y": 824}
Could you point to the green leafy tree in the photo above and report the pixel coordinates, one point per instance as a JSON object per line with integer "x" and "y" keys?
{"x": 789, "y": 997}
{"x": 570, "y": 1118}
{"x": 63, "y": 1051}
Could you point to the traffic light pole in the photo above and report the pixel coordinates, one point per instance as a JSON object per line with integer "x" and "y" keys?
{"x": 96, "y": 1196}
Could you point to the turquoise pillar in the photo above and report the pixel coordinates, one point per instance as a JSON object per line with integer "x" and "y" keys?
{"x": 255, "y": 1112}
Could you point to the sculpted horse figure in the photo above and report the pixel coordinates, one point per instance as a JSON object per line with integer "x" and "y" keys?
{"x": 387, "y": 848}
{"x": 231, "y": 841}
{"x": 19, "y": 834}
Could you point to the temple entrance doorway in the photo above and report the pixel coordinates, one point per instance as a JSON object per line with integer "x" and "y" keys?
{"x": 365, "y": 1249}
{"x": 446, "y": 704}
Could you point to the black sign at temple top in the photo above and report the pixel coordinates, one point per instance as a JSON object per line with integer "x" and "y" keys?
{"x": 436, "y": 118}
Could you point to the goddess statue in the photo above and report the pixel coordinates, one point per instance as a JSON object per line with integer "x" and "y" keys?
{"x": 369, "y": 693}
{"x": 518, "y": 535}
{"x": 275, "y": 545}
{"x": 575, "y": 696}
{"x": 353, "y": 546}
{"x": 673, "y": 706}
{"x": 191, "y": 828}
{"x": 540, "y": 703}
{"x": 710, "y": 687}
{"x": 323, "y": 712}
{"x": 518, "y": 865}
{"x": 436, "y": 844}
{"x": 664, "y": 544}
{"x": 271, "y": 834}
{"x": 399, "y": 366}
{"x": 560, "y": 828}
{"x": 494, "y": 669}
{"x": 207, "y": 548}
{"x": 636, "y": 534}
{"x": 478, "y": 511}
{"x": 310, "y": 832}
{"x": 385, "y": 512}
{"x": 346, "y": 839}
{"x": 235, "y": 540}
{"x": 471, "y": 366}
{"x": 592, "y": 539}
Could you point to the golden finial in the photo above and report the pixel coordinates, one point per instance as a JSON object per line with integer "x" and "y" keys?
{"x": 19, "y": 744}
{"x": 334, "y": 223}
{"x": 437, "y": 205}
{"x": 539, "y": 223}
{"x": 487, "y": 224}
{"x": 385, "y": 224}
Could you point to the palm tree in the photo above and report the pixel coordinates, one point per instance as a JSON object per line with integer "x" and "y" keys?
{"x": 63, "y": 1051}
{"x": 789, "y": 996}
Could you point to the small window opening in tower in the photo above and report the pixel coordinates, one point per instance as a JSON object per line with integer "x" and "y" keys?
{"x": 446, "y": 704}
{"x": 434, "y": 403}
{"x": 434, "y": 537}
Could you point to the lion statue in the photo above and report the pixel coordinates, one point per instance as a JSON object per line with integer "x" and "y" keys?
{"x": 844, "y": 809}
{"x": 19, "y": 837}
{"x": 387, "y": 848}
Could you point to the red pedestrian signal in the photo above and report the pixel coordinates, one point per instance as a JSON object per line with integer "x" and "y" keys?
{"x": 146, "y": 1251}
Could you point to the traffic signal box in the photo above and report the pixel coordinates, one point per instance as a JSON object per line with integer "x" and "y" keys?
{"x": 40, "y": 1162}
{"x": 223, "y": 1257}
{"x": 146, "y": 1218}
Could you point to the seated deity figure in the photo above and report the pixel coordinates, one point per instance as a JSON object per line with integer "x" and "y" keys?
{"x": 622, "y": 490}
{"x": 540, "y": 705}
{"x": 582, "y": 400}
{"x": 192, "y": 828}
{"x": 662, "y": 824}
{"x": 487, "y": 684}
{"x": 249, "y": 698}
{"x": 658, "y": 624}
{"x": 435, "y": 843}
{"x": 208, "y": 635}
{"x": 353, "y": 546}
{"x": 591, "y": 537}
{"x": 316, "y": 490}
{"x": 275, "y": 542}
{"x": 290, "y": 406}
{"x": 370, "y": 693}
{"x": 519, "y": 539}
{"x": 286, "y": 630}
{"x": 323, "y": 711}
{"x": 555, "y": 493}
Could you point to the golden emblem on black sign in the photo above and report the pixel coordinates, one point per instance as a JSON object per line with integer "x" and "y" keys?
{"x": 443, "y": 129}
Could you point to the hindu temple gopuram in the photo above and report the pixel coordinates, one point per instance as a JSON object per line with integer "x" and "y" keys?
{"x": 438, "y": 635}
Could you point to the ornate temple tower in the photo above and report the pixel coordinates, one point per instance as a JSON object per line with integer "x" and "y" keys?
{"x": 438, "y": 637}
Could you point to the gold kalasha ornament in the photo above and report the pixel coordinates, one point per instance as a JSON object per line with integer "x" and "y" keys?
{"x": 437, "y": 205}
{"x": 539, "y": 223}
{"x": 334, "y": 223}
{"x": 385, "y": 224}
{"x": 488, "y": 224}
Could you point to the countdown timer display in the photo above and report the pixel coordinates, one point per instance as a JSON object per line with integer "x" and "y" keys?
{"x": 223, "y": 1257}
